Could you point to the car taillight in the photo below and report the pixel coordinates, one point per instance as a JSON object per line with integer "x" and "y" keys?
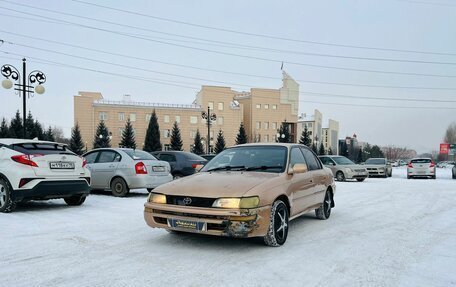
{"x": 194, "y": 165}
{"x": 432, "y": 164}
{"x": 410, "y": 165}
{"x": 140, "y": 168}
{"x": 84, "y": 161}
{"x": 26, "y": 159}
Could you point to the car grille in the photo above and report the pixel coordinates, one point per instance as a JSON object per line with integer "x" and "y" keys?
{"x": 360, "y": 170}
{"x": 190, "y": 201}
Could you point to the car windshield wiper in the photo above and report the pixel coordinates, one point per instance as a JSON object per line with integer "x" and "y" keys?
{"x": 228, "y": 167}
{"x": 263, "y": 167}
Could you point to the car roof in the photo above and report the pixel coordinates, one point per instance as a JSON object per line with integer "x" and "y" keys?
{"x": 269, "y": 144}
{"x": 10, "y": 141}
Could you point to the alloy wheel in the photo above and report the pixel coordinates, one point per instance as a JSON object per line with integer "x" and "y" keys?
{"x": 281, "y": 223}
{"x": 2, "y": 195}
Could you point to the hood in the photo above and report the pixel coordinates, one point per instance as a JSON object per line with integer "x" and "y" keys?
{"x": 354, "y": 166}
{"x": 374, "y": 165}
{"x": 216, "y": 184}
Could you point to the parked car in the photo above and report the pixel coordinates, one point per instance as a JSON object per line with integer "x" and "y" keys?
{"x": 122, "y": 169}
{"x": 378, "y": 167}
{"x": 421, "y": 167}
{"x": 254, "y": 194}
{"x": 40, "y": 170}
{"x": 343, "y": 168}
{"x": 182, "y": 163}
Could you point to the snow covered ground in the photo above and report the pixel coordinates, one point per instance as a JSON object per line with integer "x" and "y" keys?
{"x": 383, "y": 232}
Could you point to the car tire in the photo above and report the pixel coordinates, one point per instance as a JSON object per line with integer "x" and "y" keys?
{"x": 278, "y": 225}
{"x": 119, "y": 187}
{"x": 360, "y": 179}
{"x": 177, "y": 176}
{"x": 340, "y": 176}
{"x": 6, "y": 203}
{"x": 386, "y": 175}
{"x": 454, "y": 176}
{"x": 75, "y": 200}
{"x": 433, "y": 177}
{"x": 324, "y": 212}
{"x": 149, "y": 190}
{"x": 409, "y": 177}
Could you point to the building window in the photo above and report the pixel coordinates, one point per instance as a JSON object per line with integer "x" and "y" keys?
{"x": 103, "y": 116}
{"x": 167, "y": 133}
{"x": 274, "y": 107}
{"x": 210, "y": 105}
{"x": 148, "y": 116}
{"x": 193, "y": 120}
{"x": 266, "y": 125}
{"x": 121, "y": 117}
{"x": 220, "y": 106}
{"x": 258, "y": 125}
{"x": 220, "y": 121}
{"x": 310, "y": 133}
{"x": 166, "y": 118}
{"x": 266, "y": 138}
{"x": 309, "y": 125}
{"x": 274, "y": 126}
{"x": 167, "y": 147}
{"x": 178, "y": 119}
{"x": 266, "y": 107}
{"x": 258, "y": 106}
{"x": 133, "y": 117}
{"x": 192, "y": 134}
{"x": 121, "y": 130}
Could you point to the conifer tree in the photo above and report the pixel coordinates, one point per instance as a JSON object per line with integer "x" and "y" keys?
{"x": 29, "y": 126}
{"x": 76, "y": 144}
{"x": 321, "y": 149}
{"x": 152, "y": 141}
{"x": 241, "y": 137}
{"x": 305, "y": 137}
{"x": 102, "y": 137}
{"x": 359, "y": 158}
{"x": 220, "y": 143}
{"x": 4, "y": 129}
{"x": 176, "y": 140}
{"x": 128, "y": 136}
{"x": 330, "y": 151}
{"x": 314, "y": 148}
{"x": 37, "y": 131}
{"x": 284, "y": 134}
{"x": 197, "y": 145}
{"x": 16, "y": 128}
{"x": 49, "y": 135}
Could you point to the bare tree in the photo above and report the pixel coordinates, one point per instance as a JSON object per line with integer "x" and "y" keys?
{"x": 394, "y": 153}
{"x": 450, "y": 134}
{"x": 59, "y": 135}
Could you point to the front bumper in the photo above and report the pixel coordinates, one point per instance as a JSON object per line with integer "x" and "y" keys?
{"x": 377, "y": 172}
{"x": 356, "y": 174}
{"x": 217, "y": 221}
{"x": 49, "y": 189}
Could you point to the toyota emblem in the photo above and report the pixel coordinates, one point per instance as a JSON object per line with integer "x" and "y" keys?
{"x": 187, "y": 201}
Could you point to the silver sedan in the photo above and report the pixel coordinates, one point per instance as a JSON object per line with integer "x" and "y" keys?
{"x": 122, "y": 169}
{"x": 343, "y": 168}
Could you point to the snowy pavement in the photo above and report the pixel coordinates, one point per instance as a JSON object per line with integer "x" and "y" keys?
{"x": 383, "y": 232}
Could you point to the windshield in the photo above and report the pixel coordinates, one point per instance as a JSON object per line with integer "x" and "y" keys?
{"x": 139, "y": 154}
{"x": 375, "y": 161}
{"x": 250, "y": 158}
{"x": 421, "y": 160}
{"x": 342, "y": 160}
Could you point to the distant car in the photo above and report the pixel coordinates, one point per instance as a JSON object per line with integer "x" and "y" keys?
{"x": 40, "y": 170}
{"x": 208, "y": 157}
{"x": 122, "y": 169}
{"x": 254, "y": 194}
{"x": 378, "y": 167}
{"x": 182, "y": 163}
{"x": 343, "y": 168}
{"x": 421, "y": 167}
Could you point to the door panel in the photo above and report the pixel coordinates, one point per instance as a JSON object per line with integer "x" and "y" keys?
{"x": 302, "y": 186}
{"x": 104, "y": 168}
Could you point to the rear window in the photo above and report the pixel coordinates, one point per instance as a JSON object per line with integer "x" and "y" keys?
{"x": 421, "y": 160}
{"x": 42, "y": 148}
{"x": 139, "y": 154}
{"x": 192, "y": 156}
{"x": 376, "y": 161}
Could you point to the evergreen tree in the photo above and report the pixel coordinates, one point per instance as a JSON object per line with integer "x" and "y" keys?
{"x": 29, "y": 126}
{"x": 152, "y": 141}
{"x": 283, "y": 131}
{"x": 4, "y": 129}
{"x": 376, "y": 151}
{"x": 359, "y": 157}
{"x": 314, "y": 148}
{"x": 76, "y": 144}
{"x": 367, "y": 151}
{"x": 321, "y": 149}
{"x": 102, "y": 137}
{"x": 16, "y": 127}
{"x": 241, "y": 137}
{"x": 343, "y": 150}
{"x": 37, "y": 131}
{"x": 220, "y": 144}
{"x": 128, "y": 136}
{"x": 305, "y": 137}
{"x": 49, "y": 135}
{"x": 197, "y": 145}
{"x": 176, "y": 139}
{"x": 330, "y": 151}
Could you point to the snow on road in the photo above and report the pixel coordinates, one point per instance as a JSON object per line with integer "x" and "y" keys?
{"x": 383, "y": 232}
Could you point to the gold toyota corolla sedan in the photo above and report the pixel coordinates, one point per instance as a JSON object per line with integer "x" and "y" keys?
{"x": 250, "y": 190}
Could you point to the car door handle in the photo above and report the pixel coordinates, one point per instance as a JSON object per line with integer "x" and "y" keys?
{"x": 311, "y": 181}
{"x": 112, "y": 165}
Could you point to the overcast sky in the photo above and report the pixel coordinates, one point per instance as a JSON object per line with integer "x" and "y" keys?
{"x": 387, "y": 29}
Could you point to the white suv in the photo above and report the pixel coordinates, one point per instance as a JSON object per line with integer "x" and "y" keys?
{"x": 34, "y": 170}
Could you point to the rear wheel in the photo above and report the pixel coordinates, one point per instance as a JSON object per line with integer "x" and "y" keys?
{"x": 324, "y": 212}
{"x": 119, "y": 187}
{"x": 340, "y": 176}
{"x": 75, "y": 200}
{"x": 360, "y": 179}
{"x": 278, "y": 225}
{"x": 149, "y": 190}
{"x": 177, "y": 176}
{"x": 409, "y": 177}
{"x": 6, "y": 204}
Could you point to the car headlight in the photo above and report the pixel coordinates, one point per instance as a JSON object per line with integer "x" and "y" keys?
{"x": 382, "y": 168}
{"x": 156, "y": 198}
{"x": 243, "y": 202}
{"x": 347, "y": 169}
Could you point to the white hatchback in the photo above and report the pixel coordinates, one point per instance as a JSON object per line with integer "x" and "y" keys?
{"x": 37, "y": 170}
{"x": 421, "y": 167}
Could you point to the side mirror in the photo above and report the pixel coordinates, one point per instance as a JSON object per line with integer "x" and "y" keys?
{"x": 298, "y": 168}
{"x": 198, "y": 167}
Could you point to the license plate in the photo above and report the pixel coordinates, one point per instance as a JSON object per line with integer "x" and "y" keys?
{"x": 186, "y": 224}
{"x": 61, "y": 165}
{"x": 158, "y": 168}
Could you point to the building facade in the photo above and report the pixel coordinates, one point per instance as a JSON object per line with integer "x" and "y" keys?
{"x": 261, "y": 110}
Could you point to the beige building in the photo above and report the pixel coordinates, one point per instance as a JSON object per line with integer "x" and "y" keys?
{"x": 261, "y": 110}
{"x": 328, "y": 135}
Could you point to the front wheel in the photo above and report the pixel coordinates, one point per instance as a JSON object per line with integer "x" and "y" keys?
{"x": 6, "y": 204}
{"x": 340, "y": 176}
{"x": 324, "y": 212}
{"x": 119, "y": 187}
{"x": 278, "y": 225}
{"x": 75, "y": 200}
{"x": 360, "y": 179}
